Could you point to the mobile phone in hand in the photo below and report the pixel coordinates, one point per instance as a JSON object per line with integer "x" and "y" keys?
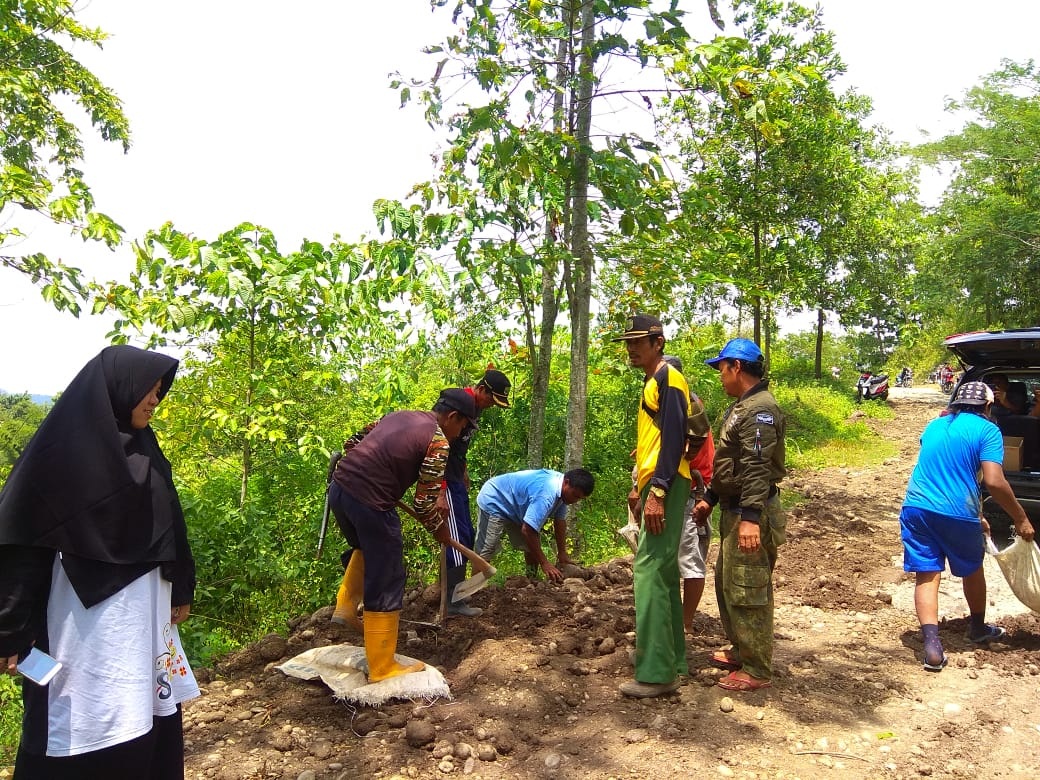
{"x": 38, "y": 667}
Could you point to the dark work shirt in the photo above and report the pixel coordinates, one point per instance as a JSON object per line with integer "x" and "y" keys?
{"x": 381, "y": 462}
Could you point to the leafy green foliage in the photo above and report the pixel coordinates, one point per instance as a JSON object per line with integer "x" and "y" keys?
{"x": 980, "y": 270}
{"x": 19, "y": 419}
{"x": 40, "y": 146}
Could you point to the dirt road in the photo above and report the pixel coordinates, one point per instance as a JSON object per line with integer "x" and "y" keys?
{"x": 535, "y": 678}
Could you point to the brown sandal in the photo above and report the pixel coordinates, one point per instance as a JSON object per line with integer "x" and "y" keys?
{"x": 732, "y": 683}
{"x": 720, "y": 659}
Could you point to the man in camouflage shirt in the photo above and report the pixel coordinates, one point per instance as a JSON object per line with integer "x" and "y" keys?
{"x": 378, "y": 465}
{"x": 749, "y": 462}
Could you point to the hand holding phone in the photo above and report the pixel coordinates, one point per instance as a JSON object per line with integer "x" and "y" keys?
{"x": 38, "y": 667}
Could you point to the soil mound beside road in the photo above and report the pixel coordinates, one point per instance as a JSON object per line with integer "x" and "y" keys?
{"x": 535, "y": 677}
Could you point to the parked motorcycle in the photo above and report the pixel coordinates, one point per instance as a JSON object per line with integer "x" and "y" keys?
{"x": 871, "y": 386}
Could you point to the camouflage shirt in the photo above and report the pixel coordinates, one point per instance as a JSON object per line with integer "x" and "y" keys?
{"x": 749, "y": 453}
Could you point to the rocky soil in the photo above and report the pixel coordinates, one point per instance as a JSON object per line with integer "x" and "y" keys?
{"x": 535, "y": 678}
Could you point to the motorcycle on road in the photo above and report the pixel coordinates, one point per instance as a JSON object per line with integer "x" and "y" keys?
{"x": 871, "y": 386}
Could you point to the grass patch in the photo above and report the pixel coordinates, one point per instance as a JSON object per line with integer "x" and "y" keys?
{"x": 821, "y": 430}
{"x": 10, "y": 718}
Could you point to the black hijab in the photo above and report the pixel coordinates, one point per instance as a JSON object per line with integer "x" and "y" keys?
{"x": 93, "y": 487}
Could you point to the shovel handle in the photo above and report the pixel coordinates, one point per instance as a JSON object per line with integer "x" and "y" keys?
{"x": 478, "y": 563}
{"x": 442, "y": 613}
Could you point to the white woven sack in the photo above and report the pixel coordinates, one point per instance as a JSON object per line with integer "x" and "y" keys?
{"x": 1020, "y": 563}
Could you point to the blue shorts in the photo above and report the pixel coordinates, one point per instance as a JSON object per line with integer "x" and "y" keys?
{"x": 929, "y": 539}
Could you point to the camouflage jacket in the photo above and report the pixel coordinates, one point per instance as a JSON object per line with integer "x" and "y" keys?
{"x": 749, "y": 454}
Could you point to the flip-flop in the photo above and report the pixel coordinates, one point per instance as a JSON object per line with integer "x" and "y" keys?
{"x": 731, "y": 683}
{"x": 992, "y": 632}
{"x": 936, "y": 667}
{"x": 720, "y": 660}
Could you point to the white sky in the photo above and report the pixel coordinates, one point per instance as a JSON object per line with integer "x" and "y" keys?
{"x": 280, "y": 114}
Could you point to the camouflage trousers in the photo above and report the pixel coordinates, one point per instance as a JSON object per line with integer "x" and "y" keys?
{"x": 744, "y": 588}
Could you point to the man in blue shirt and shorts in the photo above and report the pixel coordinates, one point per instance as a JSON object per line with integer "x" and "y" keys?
{"x": 942, "y": 518}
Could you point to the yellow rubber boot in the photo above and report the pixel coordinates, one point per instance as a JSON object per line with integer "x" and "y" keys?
{"x": 381, "y": 644}
{"x": 351, "y": 592}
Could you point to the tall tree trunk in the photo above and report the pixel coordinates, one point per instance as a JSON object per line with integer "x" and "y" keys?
{"x": 756, "y": 300}
{"x": 820, "y": 320}
{"x": 767, "y": 323}
{"x": 581, "y": 247}
{"x": 542, "y": 358}
{"x": 247, "y": 449}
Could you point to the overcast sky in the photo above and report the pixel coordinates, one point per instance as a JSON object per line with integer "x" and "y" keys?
{"x": 281, "y": 114}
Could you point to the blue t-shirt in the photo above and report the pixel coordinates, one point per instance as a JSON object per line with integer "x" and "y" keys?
{"x": 945, "y": 479}
{"x": 530, "y": 497}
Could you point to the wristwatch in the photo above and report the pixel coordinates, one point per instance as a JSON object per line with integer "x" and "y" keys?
{"x": 660, "y": 492}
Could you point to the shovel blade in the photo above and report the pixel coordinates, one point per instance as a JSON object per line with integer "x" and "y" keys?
{"x": 467, "y": 588}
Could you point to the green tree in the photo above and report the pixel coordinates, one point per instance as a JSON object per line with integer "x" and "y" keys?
{"x": 41, "y": 146}
{"x": 985, "y": 233}
{"x": 19, "y": 419}
{"x": 526, "y": 196}
{"x": 266, "y": 320}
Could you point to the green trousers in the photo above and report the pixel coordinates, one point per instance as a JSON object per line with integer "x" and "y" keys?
{"x": 660, "y": 641}
{"x": 744, "y": 588}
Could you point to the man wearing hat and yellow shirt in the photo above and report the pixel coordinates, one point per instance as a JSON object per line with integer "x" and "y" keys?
{"x": 749, "y": 462}
{"x": 663, "y": 485}
{"x": 491, "y": 390}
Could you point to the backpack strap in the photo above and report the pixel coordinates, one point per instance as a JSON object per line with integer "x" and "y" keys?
{"x": 661, "y": 387}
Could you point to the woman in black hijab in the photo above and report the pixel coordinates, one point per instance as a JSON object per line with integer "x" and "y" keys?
{"x": 95, "y": 569}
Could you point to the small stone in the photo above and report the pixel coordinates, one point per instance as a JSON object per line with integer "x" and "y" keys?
{"x": 306, "y": 774}
{"x": 724, "y": 770}
{"x": 321, "y": 749}
{"x": 462, "y": 750}
{"x": 505, "y": 741}
{"x": 446, "y": 766}
{"x": 635, "y": 735}
{"x": 553, "y": 761}
{"x": 467, "y": 768}
{"x": 443, "y": 749}
{"x": 419, "y": 732}
{"x": 486, "y": 752}
{"x": 726, "y": 704}
{"x": 608, "y": 645}
{"x": 272, "y": 647}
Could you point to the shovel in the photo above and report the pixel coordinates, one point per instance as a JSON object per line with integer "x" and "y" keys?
{"x": 484, "y": 570}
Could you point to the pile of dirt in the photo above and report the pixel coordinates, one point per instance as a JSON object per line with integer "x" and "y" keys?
{"x": 535, "y": 678}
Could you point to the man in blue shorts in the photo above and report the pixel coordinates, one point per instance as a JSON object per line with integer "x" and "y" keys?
{"x": 942, "y": 513}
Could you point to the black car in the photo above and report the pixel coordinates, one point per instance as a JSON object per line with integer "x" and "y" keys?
{"x": 1016, "y": 355}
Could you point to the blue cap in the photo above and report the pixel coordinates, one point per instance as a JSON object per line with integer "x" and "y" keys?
{"x": 737, "y": 349}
